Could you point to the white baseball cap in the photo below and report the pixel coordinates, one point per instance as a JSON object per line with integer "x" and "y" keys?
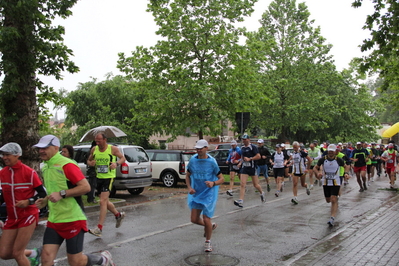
{"x": 282, "y": 145}
{"x": 47, "y": 141}
{"x": 332, "y": 147}
{"x": 233, "y": 143}
{"x": 260, "y": 141}
{"x": 201, "y": 144}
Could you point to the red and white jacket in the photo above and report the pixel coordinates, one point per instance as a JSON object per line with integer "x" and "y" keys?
{"x": 18, "y": 183}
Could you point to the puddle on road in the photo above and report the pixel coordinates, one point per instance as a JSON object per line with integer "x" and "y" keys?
{"x": 211, "y": 260}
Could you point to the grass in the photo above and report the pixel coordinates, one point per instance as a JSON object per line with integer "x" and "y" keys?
{"x": 84, "y": 199}
{"x": 236, "y": 179}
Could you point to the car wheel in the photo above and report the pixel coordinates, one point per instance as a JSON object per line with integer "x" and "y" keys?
{"x": 135, "y": 191}
{"x": 169, "y": 179}
{"x": 112, "y": 193}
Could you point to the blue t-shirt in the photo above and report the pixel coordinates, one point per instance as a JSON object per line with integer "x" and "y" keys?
{"x": 204, "y": 198}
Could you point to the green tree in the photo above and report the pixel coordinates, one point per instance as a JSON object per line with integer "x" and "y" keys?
{"x": 383, "y": 45}
{"x": 110, "y": 102}
{"x": 388, "y": 114}
{"x": 293, "y": 60}
{"x": 29, "y": 45}
{"x": 198, "y": 74}
{"x": 354, "y": 108}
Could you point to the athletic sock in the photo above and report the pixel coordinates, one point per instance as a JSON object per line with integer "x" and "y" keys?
{"x": 100, "y": 226}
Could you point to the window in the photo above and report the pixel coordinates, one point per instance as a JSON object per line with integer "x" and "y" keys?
{"x": 135, "y": 155}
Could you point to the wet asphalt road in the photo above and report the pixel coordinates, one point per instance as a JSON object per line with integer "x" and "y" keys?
{"x": 159, "y": 232}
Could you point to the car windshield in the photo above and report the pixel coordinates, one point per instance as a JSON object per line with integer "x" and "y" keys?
{"x": 134, "y": 155}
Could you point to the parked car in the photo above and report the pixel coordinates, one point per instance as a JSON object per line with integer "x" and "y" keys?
{"x": 169, "y": 166}
{"x": 226, "y": 146}
{"x": 221, "y": 156}
{"x": 133, "y": 175}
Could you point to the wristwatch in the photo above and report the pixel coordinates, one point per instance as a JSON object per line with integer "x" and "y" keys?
{"x": 31, "y": 201}
{"x": 63, "y": 194}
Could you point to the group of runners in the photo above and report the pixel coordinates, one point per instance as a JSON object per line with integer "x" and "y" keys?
{"x": 329, "y": 165}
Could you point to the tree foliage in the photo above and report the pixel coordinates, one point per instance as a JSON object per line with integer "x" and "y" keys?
{"x": 111, "y": 102}
{"x": 198, "y": 74}
{"x": 309, "y": 98}
{"x": 29, "y": 45}
{"x": 295, "y": 63}
{"x": 383, "y": 45}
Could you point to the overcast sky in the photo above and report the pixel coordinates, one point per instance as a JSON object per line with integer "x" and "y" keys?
{"x": 99, "y": 29}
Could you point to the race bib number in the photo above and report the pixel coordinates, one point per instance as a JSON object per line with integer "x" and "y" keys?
{"x": 390, "y": 161}
{"x": 102, "y": 169}
{"x": 246, "y": 164}
{"x": 330, "y": 176}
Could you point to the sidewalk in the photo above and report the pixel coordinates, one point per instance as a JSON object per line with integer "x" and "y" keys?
{"x": 372, "y": 239}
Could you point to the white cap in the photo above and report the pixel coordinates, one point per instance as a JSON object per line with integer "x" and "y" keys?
{"x": 332, "y": 147}
{"x": 357, "y": 143}
{"x": 11, "y": 148}
{"x": 233, "y": 142}
{"x": 201, "y": 144}
{"x": 340, "y": 143}
{"x": 260, "y": 141}
{"x": 282, "y": 145}
{"x": 47, "y": 141}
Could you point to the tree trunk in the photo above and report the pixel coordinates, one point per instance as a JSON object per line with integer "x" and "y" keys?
{"x": 19, "y": 115}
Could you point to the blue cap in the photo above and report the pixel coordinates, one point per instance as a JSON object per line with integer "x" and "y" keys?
{"x": 245, "y": 136}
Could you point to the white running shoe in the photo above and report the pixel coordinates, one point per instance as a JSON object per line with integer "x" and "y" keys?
{"x": 107, "y": 257}
{"x": 96, "y": 232}
{"x": 208, "y": 246}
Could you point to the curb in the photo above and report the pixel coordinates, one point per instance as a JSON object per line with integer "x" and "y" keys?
{"x": 119, "y": 203}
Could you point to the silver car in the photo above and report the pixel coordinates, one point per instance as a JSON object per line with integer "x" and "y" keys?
{"x": 133, "y": 175}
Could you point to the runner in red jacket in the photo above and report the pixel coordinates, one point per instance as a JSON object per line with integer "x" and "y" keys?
{"x": 21, "y": 188}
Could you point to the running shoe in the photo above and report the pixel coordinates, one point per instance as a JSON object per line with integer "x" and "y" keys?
{"x": 107, "y": 257}
{"x": 307, "y": 191}
{"x": 214, "y": 225}
{"x": 36, "y": 260}
{"x": 239, "y": 203}
{"x": 277, "y": 193}
{"x": 96, "y": 231}
{"x": 315, "y": 182}
{"x": 361, "y": 190}
{"x": 331, "y": 222}
{"x": 262, "y": 197}
{"x": 119, "y": 219}
{"x": 295, "y": 201}
{"x": 364, "y": 186}
{"x": 268, "y": 188}
{"x": 208, "y": 246}
{"x": 230, "y": 193}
